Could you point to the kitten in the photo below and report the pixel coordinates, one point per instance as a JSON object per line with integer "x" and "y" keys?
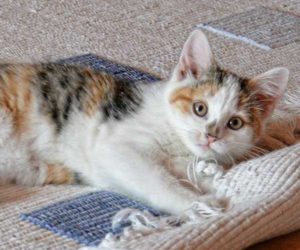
{"x": 134, "y": 138}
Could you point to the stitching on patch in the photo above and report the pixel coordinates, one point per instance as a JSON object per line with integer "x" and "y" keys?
{"x": 233, "y": 36}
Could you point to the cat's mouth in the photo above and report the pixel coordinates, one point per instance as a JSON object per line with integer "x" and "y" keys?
{"x": 204, "y": 146}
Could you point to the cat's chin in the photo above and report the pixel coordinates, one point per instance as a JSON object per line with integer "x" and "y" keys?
{"x": 206, "y": 152}
{"x": 203, "y": 151}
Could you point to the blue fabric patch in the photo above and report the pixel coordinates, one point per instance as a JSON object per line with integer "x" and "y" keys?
{"x": 87, "y": 219}
{"x": 118, "y": 70}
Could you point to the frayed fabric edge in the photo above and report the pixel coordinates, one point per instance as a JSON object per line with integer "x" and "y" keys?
{"x": 143, "y": 223}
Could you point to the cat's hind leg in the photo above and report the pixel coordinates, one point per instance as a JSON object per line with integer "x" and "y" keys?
{"x": 20, "y": 169}
{"x": 58, "y": 174}
{"x": 53, "y": 173}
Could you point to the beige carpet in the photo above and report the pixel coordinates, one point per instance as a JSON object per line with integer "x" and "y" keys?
{"x": 147, "y": 34}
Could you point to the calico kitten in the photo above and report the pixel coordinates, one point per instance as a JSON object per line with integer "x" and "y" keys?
{"x": 134, "y": 138}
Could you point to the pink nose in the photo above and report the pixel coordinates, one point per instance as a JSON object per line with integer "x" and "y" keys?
{"x": 211, "y": 138}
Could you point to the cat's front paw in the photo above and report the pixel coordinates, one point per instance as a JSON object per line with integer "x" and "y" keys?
{"x": 209, "y": 169}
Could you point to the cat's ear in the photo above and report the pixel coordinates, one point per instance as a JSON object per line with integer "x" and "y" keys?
{"x": 196, "y": 57}
{"x": 270, "y": 87}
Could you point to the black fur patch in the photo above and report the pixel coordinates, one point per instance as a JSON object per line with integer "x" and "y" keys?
{"x": 65, "y": 88}
{"x": 220, "y": 75}
{"x": 124, "y": 100}
{"x": 58, "y": 85}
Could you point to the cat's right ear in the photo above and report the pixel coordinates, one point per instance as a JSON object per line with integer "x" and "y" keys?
{"x": 269, "y": 87}
{"x": 196, "y": 57}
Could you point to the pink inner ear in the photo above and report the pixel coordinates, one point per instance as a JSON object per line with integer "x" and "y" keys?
{"x": 270, "y": 87}
{"x": 183, "y": 66}
{"x": 180, "y": 73}
{"x": 196, "y": 56}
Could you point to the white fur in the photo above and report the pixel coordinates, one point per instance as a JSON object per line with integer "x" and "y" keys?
{"x": 135, "y": 156}
{"x": 145, "y": 155}
{"x": 16, "y": 160}
{"x": 221, "y": 107}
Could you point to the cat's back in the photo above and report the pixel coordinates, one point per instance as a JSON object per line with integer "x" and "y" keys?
{"x": 56, "y": 91}
{"x": 52, "y": 82}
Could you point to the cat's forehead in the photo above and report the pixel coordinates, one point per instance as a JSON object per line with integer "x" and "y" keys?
{"x": 222, "y": 98}
{"x": 221, "y": 91}
{"x": 221, "y": 86}
{"x": 222, "y": 78}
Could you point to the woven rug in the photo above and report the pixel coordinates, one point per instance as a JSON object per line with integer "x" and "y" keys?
{"x": 150, "y": 34}
{"x": 262, "y": 27}
{"x": 88, "y": 218}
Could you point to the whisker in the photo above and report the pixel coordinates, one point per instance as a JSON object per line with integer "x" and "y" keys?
{"x": 194, "y": 170}
{"x": 192, "y": 184}
{"x": 259, "y": 149}
{"x": 230, "y": 158}
{"x": 187, "y": 130}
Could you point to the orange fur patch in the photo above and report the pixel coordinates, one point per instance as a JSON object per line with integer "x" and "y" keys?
{"x": 15, "y": 95}
{"x": 256, "y": 121}
{"x": 98, "y": 85}
{"x": 184, "y": 97}
{"x": 58, "y": 174}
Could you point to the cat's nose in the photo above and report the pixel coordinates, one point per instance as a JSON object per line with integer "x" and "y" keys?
{"x": 211, "y": 138}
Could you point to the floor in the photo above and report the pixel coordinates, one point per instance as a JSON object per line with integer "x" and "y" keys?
{"x": 147, "y": 34}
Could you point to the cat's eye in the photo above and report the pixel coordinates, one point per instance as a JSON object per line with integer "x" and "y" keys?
{"x": 235, "y": 123}
{"x": 200, "y": 108}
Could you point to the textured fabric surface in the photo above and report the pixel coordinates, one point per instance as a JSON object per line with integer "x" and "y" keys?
{"x": 147, "y": 34}
{"x": 113, "y": 68}
{"x": 268, "y": 27}
{"x": 18, "y": 234}
{"x": 86, "y": 219}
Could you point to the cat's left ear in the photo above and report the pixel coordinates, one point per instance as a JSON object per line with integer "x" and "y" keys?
{"x": 270, "y": 87}
{"x": 196, "y": 57}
